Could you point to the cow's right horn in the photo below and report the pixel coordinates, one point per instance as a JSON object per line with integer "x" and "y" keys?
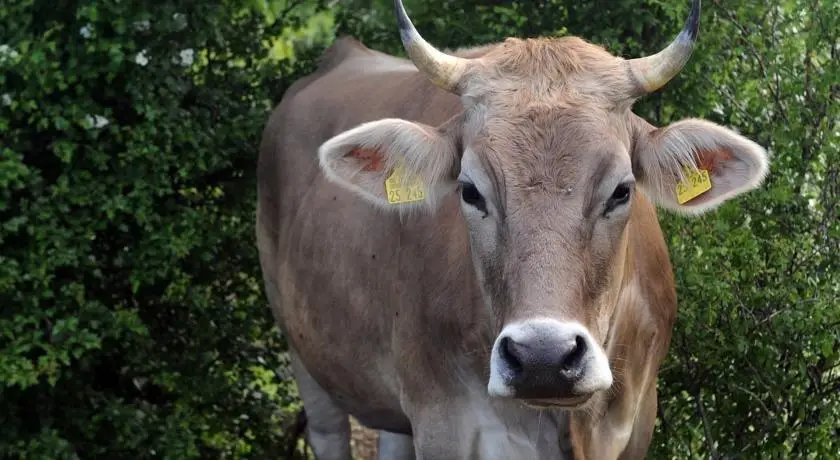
{"x": 652, "y": 72}
{"x": 442, "y": 69}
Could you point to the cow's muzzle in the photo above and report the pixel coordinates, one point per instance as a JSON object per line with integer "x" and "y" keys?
{"x": 548, "y": 362}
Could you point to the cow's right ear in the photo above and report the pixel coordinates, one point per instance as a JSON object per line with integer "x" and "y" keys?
{"x": 394, "y": 163}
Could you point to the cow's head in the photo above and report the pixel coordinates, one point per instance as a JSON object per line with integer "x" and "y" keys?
{"x": 548, "y": 159}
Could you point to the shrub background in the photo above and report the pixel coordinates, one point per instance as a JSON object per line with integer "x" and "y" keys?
{"x": 133, "y": 320}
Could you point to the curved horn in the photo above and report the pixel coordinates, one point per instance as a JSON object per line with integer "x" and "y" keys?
{"x": 442, "y": 69}
{"x": 652, "y": 72}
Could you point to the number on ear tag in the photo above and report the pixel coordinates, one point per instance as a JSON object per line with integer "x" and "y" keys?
{"x": 695, "y": 184}
{"x": 400, "y": 190}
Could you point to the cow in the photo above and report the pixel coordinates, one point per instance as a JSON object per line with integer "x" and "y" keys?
{"x": 462, "y": 248}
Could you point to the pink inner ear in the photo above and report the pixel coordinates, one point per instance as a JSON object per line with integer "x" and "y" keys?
{"x": 712, "y": 160}
{"x": 372, "y": 158}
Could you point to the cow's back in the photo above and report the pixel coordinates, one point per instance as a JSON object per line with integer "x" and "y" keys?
{"x": 337, "y": 269}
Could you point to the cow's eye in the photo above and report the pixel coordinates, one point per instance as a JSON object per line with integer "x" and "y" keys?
{"x": 620, "y": 196}
{"x": 472, "y": 197}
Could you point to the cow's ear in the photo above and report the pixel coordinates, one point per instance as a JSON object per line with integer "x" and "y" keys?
{"x": 693, "y": 166}
{"x": 394, "y": 163}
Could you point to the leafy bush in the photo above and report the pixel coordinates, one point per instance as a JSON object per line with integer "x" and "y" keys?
{"x": 134, "y": 323}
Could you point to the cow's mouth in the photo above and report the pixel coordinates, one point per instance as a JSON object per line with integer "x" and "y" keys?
{"x": 565, "y": 403}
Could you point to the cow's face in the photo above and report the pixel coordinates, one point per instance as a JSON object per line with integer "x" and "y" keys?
{"x": 546, "y": 194}
{"x": 548, "y": 159}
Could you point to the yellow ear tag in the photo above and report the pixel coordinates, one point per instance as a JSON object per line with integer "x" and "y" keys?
{"x": 695, "y": 184}
{"x": 399, "y": 190}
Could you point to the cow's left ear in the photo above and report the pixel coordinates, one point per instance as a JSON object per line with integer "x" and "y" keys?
{"x": 669, "y": 164}
{"x": 393, "y": 163}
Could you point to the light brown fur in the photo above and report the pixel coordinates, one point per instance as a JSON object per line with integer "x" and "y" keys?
{"x": 568, "y": 70}
{"x": 388, "y": 310}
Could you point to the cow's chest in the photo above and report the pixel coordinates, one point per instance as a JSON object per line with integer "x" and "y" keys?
{"x": 502, "y": 431}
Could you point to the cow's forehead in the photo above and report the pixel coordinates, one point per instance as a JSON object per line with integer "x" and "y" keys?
{"x": 558, "y": 146}
{"x": 567, "y": 69}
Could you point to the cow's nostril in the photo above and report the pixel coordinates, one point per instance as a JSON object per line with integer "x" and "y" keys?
{"x": 510, "y": 355}
{"x": 573, "y": 356}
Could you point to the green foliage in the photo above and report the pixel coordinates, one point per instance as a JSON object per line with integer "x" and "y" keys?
{"x": 134, "y": 323}
{"x": 754, "y": 363}
{"x": 133, "y": 318}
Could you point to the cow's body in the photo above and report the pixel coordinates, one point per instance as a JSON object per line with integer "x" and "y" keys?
{"x": 386, "y": 316}
{"x": 405, "y": 283}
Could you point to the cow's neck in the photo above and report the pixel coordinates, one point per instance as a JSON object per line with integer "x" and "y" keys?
{"x": 605, "y": 428}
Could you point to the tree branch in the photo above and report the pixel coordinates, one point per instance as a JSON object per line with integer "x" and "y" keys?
{"x": 701, "y": 410}
{"x": 745, "y": 36}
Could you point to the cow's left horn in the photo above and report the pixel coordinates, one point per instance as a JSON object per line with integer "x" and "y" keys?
{"x": 442, "y": 69}
{"x": 652, "y": 72}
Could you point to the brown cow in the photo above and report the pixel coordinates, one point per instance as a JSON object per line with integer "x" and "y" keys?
{"x": 517, "y": 303}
